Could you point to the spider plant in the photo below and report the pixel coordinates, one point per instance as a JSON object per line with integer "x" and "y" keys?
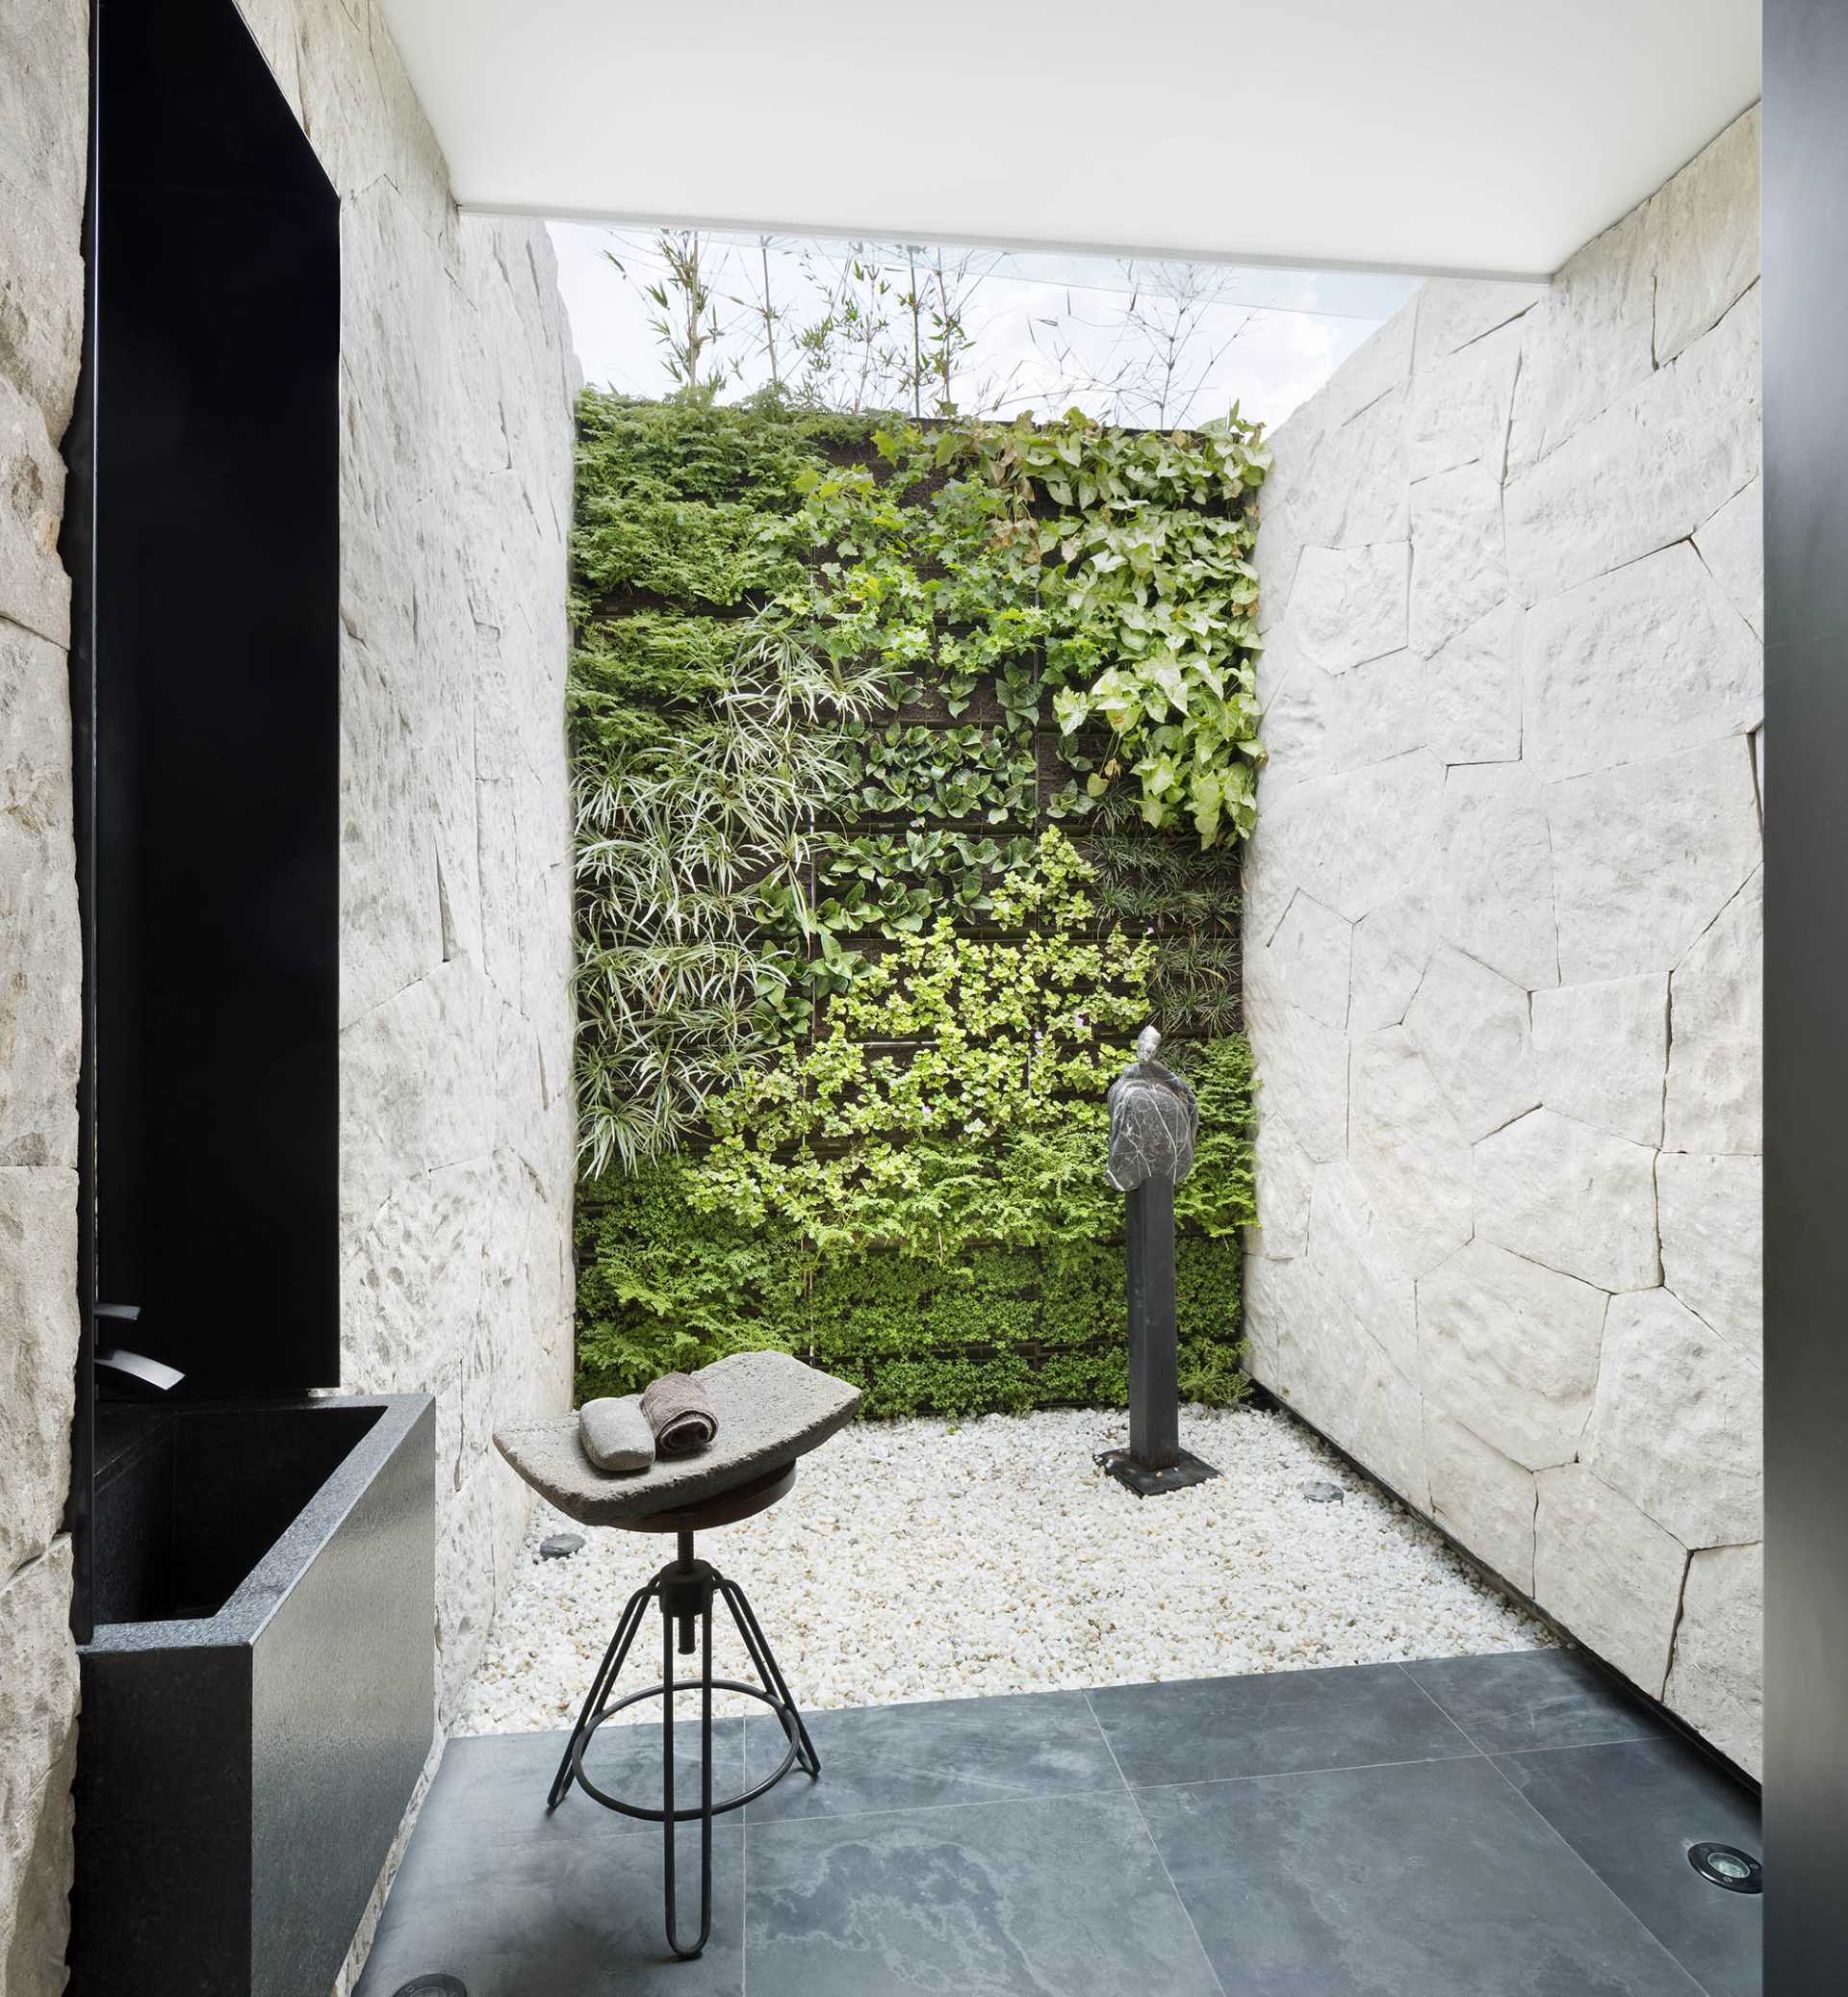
{"x": 685, "y": 834}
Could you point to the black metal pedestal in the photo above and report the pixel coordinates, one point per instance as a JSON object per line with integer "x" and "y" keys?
{"x": 1154, "y": 1462}
{"x": 684, "y": 1589}
{"x": 1186, "y": 1471}
{"x": 1154, "y": 1388}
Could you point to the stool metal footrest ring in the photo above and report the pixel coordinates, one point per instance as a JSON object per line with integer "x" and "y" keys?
{"x": 685, "y": 1589}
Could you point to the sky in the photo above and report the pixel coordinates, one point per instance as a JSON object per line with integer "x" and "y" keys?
{"x": 1144, "y": 344}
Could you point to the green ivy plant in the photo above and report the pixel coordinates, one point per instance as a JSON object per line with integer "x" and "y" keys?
{"x": 896, "y": 884}
{"x": 1121, "y": 560}
{"x": 663, "y": 1283}
{"x": 1147, "y": 578}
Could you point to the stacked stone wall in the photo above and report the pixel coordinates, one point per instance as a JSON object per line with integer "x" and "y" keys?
{"x": 1502, "y": 930}
{"x": 457, "y": 1133}
{"x": 43, "y": 79}
{"x": 456, "y": 386}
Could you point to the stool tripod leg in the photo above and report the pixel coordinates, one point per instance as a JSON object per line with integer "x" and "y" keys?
{"x": 765, "y": 1662}
{"x": 627, "y": 1624}
{"x": 686, "y": 1954}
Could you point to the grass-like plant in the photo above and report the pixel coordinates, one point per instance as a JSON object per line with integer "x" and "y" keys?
{"x": 687, "y": 832}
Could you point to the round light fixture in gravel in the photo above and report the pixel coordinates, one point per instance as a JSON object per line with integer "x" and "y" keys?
{"x": 435, "y": 1984}
{"x": 1726, "y": 1866}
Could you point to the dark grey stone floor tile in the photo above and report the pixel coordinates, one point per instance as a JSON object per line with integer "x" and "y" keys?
{"x": 1535, "y": 1699}
{"x": 1204, "y": 1730}
{"x": 515, "y": 1902}
{"x": 574, "y": 1911}
{"x": 943, "y": 1751}
{"x": 499, "y": 1781}
{"x": 1630, "y": 1812}
{"x": 1052, "y": 1898}
{"x": 1424, "y": 1879}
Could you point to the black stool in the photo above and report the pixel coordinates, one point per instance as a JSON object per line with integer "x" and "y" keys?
{"x": 684, "y": 1589}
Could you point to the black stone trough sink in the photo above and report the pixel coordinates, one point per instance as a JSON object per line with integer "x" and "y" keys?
{"x": 259, "y": 1695}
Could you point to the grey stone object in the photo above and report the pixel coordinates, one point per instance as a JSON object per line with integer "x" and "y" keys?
{"x": 771, "y": 1409}
{"x": 561, "y": 1546}
{"x": 617, "y": 1436}
{"x": 1154, "y": 1122}
{"x": 1324, "y": 1494}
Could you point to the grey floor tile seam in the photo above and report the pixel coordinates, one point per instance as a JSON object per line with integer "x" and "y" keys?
{"x": 1617, "y": 1740}
{"x": 1561, "y": 1838}
{"x": 1298, "y": 1774}
{"x": 931, "y": 1809}
{"x": 1475, "y": 1746}
{"x": 1180, "y": 1898}
{"x": 1559, "y": 1835}
{"x": 1009, "y": 1792}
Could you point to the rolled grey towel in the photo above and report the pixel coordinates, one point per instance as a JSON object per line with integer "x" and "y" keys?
{"x": 616, "y": 1434}
{"x": 679, "y": 1414}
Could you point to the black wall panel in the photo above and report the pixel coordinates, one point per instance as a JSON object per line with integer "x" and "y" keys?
{"x": 1805, "y": 1191}
{"x": 203, "y": 543}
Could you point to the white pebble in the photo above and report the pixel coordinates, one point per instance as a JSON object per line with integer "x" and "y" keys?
{"x": 928, "y": 1560}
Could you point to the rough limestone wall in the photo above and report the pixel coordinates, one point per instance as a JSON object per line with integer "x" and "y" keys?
{"x": 457, "y": 381}
{"x": 43, "y": 79}
{"x": 1502, "y": 930}
{"x": 456, "y": 1154}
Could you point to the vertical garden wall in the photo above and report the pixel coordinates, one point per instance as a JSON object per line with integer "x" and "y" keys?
{"x": 912, "y": 765}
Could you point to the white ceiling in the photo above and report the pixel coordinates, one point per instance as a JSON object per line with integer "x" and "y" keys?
{"x": 1469, "y": 136}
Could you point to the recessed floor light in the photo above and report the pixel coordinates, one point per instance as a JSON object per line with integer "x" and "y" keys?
{"x": 435, "y": 1984}
{"x": 1726, "y": 1866}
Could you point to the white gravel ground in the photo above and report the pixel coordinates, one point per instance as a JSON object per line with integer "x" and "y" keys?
{"x": 932, "y": 1559}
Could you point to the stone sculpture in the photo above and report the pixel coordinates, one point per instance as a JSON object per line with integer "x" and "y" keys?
{"x": 1154, "y": 1121}
{"x": 1154, "y": 1124}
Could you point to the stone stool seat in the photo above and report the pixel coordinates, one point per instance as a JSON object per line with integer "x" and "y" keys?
{"x": 771, "y": 1410}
